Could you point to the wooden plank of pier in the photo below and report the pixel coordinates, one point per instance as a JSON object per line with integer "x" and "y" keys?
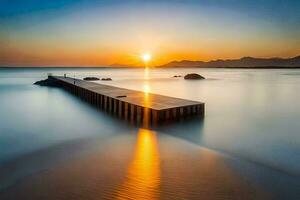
{"x": 132, "y": 105}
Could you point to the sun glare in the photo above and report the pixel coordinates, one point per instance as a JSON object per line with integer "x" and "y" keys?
{"x": 146, "y": 57}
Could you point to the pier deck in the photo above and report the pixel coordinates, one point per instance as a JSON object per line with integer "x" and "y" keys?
{"x": 132, "y": 105}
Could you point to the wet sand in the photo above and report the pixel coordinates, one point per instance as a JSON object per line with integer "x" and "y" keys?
{"x": 141, "y": 166}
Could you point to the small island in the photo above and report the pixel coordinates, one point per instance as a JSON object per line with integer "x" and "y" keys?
{"x": 176, "y": 76}
{"x": 193, "y": 76}
{"x": 91, "y": 79}
{"x": 106, "y": 79}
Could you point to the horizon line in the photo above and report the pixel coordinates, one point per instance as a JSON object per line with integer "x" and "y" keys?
{"x": 132, "y": 66}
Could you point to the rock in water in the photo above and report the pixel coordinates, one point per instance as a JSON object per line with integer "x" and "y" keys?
{"x": 193, "y": 76}
{"x": 106, "y": 79}
{"x": 47, "y": 82}
{"x": 91, "y": 79}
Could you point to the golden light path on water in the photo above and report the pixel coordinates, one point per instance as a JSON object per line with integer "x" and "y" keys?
{"x": 143, "y": 175}
{"x": 147, "y": 98}
{"x": 146, "y": 86}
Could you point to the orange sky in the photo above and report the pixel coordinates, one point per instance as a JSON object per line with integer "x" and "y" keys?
{"x": 78, "y": 35}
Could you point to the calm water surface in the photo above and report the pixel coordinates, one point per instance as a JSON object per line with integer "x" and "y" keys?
{"x": 248, "y": 145}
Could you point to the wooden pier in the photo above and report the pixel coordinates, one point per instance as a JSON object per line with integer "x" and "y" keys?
{"x": 134, "y": 106}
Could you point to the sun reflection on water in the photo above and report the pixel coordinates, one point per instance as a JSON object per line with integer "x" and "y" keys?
{"x": 143, "y": 175}
{"x": 147, "y": 100}
{"x": 146, "y": 73}
{"x": 146, "y": 88}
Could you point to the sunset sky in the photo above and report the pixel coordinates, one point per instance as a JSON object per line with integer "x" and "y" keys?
{"x": 99, "y": 33}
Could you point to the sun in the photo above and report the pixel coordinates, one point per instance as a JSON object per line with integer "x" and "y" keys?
{"x": 146, "y": 57}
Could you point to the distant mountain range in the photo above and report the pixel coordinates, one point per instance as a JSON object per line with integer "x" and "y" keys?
{"x": 245, "y": 62}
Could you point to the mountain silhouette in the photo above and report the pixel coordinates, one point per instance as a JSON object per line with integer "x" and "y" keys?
{"x": 245, "y": 62}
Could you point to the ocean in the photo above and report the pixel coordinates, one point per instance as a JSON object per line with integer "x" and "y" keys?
{"x": 53, "y": 145}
